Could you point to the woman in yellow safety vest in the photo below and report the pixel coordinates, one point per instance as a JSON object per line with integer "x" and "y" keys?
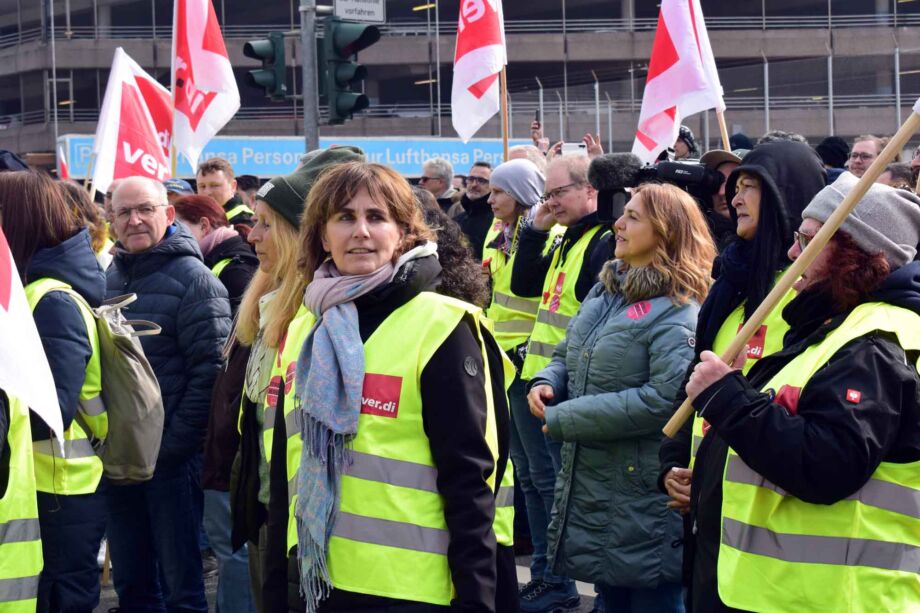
{"x": 62, "y": 280}
{"x": 223, "y": 247}
{"x": 810, "y": 492}
{"x": 401, "y": 393}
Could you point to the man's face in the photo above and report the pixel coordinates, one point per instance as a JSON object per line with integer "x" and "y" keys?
{"x": 432, "y": 183}
{"x": 861, "y": 157}
{"x": 568, "y": 200}
{"x": 216, "y": 185}
{"x": 719, "y": 205}
{"x": 140, "y": 219}
{"x": 478, "y": 182}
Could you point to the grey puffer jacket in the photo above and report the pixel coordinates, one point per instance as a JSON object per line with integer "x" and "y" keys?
{"x": 614, "y": 378}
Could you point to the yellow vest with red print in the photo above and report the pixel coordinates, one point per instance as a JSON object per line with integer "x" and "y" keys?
{"x": 79, "y": 470}
{"x": 558, "y": 304}
{"x": 20, "y": 537}
{"x": 779, "y": 553}
{"x": 767, "y": 340}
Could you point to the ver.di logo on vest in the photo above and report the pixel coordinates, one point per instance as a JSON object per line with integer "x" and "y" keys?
{"x": 380, "y": 395}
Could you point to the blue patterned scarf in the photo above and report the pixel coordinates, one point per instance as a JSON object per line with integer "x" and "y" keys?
{"x": 330, "y": 378}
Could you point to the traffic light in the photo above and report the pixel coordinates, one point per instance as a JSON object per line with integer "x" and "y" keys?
{"x": 271, "y": 76}
{"x": 341, "y": 77}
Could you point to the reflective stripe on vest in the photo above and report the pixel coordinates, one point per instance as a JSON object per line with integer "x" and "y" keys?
{"x": 386, "y": 526}
{"x": 768, "y": 340}
{"x": 558, "y": 304}
{"x": 219, "y": 267}
{"x": 513, "y": 315}
{"x": 240, "y": 209}
{"x": 80, "y": 469}
{"x": 861, "y": 553}
{"x": 20, "y": 535}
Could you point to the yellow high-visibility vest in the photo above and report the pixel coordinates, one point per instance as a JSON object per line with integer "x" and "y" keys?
{"x": 20, "y": 536}
{"x": 779, "y": 553}
{"x": 79, "y": 470}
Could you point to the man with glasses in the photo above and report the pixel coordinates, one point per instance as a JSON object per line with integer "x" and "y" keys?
{"x": 473, "y": 213}
{"x": 560, "y": 272}
{"x": 865, "y": 149}
{"x": 437, "y": 175}
{"x": 153, "y": 527}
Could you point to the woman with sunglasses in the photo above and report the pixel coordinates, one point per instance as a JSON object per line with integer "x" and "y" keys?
{"x": 810, "y": 482}
{"x": 767, "y": 194}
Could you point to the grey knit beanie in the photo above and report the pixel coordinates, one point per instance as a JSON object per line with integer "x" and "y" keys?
{"x": 886, "y": 220}
{"x": 520, "y": 178}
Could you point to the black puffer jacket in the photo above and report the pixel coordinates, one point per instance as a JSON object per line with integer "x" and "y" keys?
{"x": 175, "y": 290}
{"x": 828, "y": 449}
{"x": 238, "y": 273}
{"x": 59, "y": 321}
{"x": 475, "y": 221}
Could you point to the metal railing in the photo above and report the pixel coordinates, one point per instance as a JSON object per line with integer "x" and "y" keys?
{"x": 415, "y": 27}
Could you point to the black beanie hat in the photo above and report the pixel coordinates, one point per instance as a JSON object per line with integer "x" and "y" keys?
{"x": 287, "y": 194}
{"x": 834, "y": 151}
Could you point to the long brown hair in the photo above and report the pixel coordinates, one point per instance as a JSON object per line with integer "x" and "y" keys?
{"x": 685, "y": 250}
{"x": 33, "y": 214}
{"x": 86, "y": 212}
{"x": 336, "y": 187}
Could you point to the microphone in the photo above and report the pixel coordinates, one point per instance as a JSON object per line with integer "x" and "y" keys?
{"x": 610, "y": 175}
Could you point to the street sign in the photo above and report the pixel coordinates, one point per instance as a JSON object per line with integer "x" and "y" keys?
{"x": 363, "y": 11}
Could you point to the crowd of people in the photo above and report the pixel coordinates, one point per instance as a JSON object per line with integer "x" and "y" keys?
{"x": 357, "y": 374}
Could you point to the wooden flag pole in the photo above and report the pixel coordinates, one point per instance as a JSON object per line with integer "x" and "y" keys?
{"x": 888, "y": 154}
{"x": 89, "y": 171}
{"x": 726, "y": 143}
{"x": 503, "y": 93}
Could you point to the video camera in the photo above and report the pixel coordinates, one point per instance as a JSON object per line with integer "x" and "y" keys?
{"x": 612, "y": 173}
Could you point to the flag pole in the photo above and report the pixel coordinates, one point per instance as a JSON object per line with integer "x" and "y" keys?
{"x": 503, "y": 93}
{"x": 89, "y": 170}
{"x": 824, "y": 235}
{"x": 726, "y": 143}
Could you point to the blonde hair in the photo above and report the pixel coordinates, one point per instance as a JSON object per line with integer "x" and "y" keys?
{"x": 336, "y": 187}
{"x": 685, "y": 251}
{"x": 285, "y": 278}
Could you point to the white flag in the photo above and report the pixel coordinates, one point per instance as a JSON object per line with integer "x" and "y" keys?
{"x": 24, "y": 370}
{"x": 205, "y": 91}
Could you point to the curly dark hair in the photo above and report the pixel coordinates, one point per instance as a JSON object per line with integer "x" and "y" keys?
{"x": 461, "y": 275}
{"x": 856, "y": 273}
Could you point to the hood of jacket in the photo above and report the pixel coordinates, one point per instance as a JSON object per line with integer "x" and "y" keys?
{"x": 177, "y": 242}
{"x": 74, "y": 263}
{"x": 901, "y": 288}
{"x": 791, "y": 174}
{"x": 233, "y": 247}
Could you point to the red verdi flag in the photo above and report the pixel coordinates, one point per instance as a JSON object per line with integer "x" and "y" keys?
{"x": 682, "y": 78}
{"x": 132, "y": 137}
{"x": 206, "y": 95}
{"x": 478, "y": 60}
{"x": 24, "y": 370}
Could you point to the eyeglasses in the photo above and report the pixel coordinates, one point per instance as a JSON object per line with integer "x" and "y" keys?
{"x": 865, "y": 157}
{"x": 802, "y": 239}
{"x": 145, "y": 211}
{"x": 479, "y": 180}
{"x": 555, "y": 193}
{"x": 424, "y": 179}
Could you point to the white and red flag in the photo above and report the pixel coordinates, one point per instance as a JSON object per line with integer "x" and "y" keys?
{"x": 24, "y": 370}
{"x": 132, "y": 136}
{"x": 206, "y": 95}
{"x": 478, "y": 61}
{"x": 63, "y": 170}
{"x": 682, "y": 78}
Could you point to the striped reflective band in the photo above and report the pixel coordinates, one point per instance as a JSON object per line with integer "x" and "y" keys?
{"x": 292, "y": 423}
{"x": 542, "y": 349}
{"x": 20, "y": 588}
{"x": 810, "y": 549}
{"x": 92, "y": 406}
{"x": 553, "y": 319}
{"x": 697, "y": 440}
{"x": 268, "y": 418}
{"x": 505, "y": 496}
{"x": 518, "y": 304}
{"x": 393, "y": 472}
{"x": 875, "y": 493}
{"x": 79, "y": 448}
{"x": 20, "y": 531}
{"x": 524, "y": 326}
{"x": 390, "y": 533}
